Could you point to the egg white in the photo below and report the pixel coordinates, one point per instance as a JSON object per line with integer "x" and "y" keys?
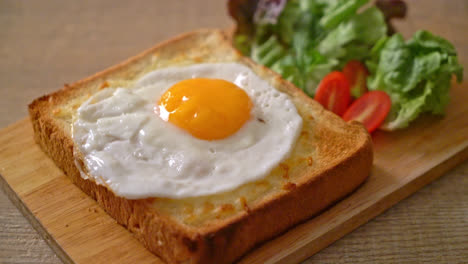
{"x": 136, "y": 154}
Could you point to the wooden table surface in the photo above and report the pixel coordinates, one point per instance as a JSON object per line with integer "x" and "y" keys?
{"x": 44, "y": 44}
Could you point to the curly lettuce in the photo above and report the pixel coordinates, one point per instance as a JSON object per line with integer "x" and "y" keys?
{"x": 416, "y": 74}
{"x": 303, "y": 40}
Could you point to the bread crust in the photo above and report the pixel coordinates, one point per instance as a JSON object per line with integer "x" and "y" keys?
{"x": 224, "y": 240}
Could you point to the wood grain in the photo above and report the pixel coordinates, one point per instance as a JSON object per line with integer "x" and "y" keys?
{"x": 81, "y": 232}
{"x": 53, "y": 42}
{"x": 413, "y": 231}
{"x": 19, "y": 242}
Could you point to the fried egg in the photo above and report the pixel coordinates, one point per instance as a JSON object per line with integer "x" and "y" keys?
{"x": 187, "y": 131}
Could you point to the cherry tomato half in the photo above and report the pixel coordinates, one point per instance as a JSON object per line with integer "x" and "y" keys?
{"x": 356, "y": 73}
{"x": 371, "y": 109}
{"x": 333, "y": 92}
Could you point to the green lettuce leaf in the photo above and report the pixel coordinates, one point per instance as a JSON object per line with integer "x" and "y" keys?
{"x": 354, "y": 38}
{"x": 311, "y": 38}
{"x": 339, "y": 11}
{"x": 416, "y": 74}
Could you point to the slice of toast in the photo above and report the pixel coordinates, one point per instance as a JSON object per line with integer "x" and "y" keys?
{"x": 330, "y": 159}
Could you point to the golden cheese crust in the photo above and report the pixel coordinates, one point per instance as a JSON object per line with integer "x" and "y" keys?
{"x": 330, "y": 159}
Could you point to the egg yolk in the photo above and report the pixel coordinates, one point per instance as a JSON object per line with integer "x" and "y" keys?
{"x": 209, "y": 109}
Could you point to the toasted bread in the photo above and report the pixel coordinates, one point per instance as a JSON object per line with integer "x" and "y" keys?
{"x": 330, "y": 159}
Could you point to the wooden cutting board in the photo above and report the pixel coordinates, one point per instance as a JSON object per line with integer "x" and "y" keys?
{"x": 81, "y": 232}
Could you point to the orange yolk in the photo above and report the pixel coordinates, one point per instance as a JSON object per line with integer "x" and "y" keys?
{"x": 208, "y": 109}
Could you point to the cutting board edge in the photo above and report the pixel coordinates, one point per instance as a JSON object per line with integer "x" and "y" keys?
{"x": 374, "y": 210}
{"x": 34, "y": 221}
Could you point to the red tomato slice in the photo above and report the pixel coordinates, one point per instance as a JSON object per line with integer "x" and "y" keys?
{"x": 356, "y": 73}
{"x": 333, "y": 92}
{"x": 371, "y": 109}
